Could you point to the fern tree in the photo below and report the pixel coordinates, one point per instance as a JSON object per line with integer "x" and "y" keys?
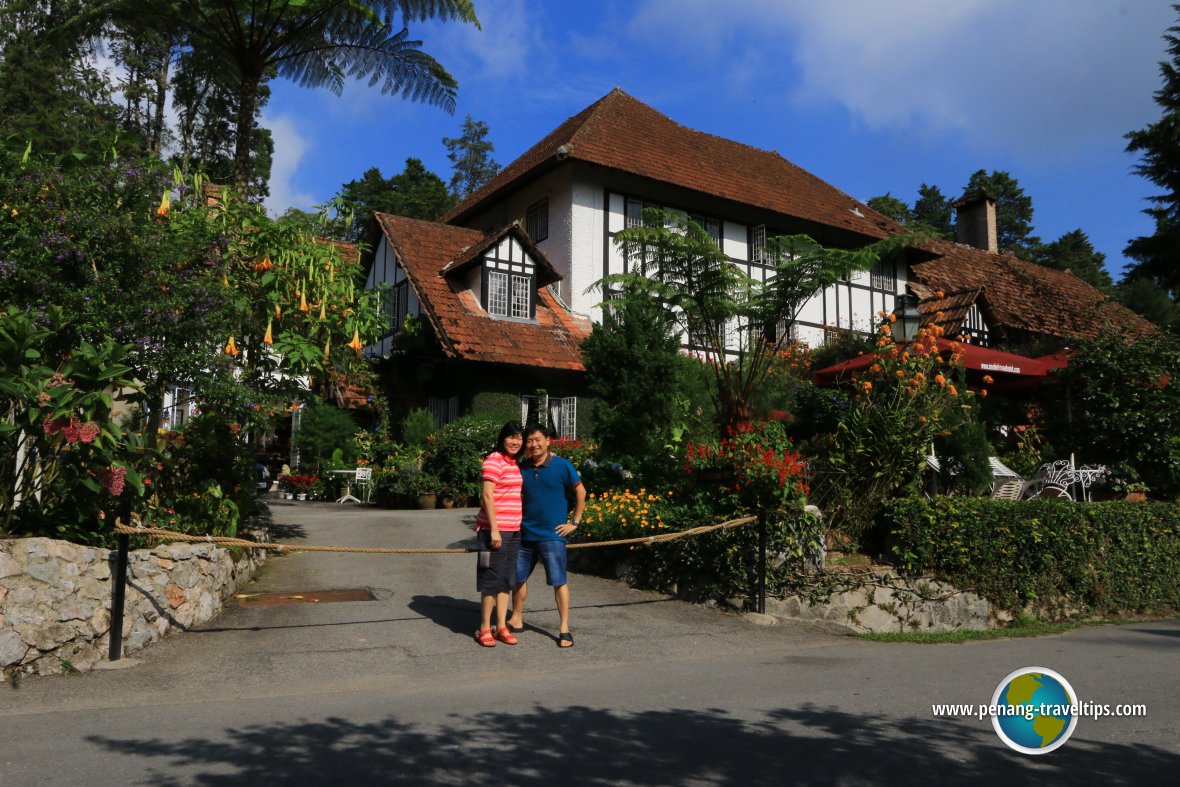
{"x": 315, "y": 43}
{"x": 734, "y": 322}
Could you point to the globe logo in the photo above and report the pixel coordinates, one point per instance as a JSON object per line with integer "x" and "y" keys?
{"x": 1036, "y": 710}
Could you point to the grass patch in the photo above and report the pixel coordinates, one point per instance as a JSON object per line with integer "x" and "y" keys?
{"x": 1021, "y": 627}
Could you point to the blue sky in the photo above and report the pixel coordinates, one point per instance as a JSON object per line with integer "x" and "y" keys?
{"x": 871, "y": 96}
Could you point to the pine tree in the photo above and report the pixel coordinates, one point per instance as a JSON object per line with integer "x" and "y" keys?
{"x": 934, "y": 212}
{"x": 1158, "y": 145}
{"x": 1073, "y": 252}
{"x": 471, "y": 158}
{"x": 891, "y": 207}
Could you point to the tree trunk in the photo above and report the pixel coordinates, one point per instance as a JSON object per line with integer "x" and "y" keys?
{"x": 244, "y": 130}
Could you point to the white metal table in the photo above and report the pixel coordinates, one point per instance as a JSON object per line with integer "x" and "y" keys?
{"x": 348, "y": 495}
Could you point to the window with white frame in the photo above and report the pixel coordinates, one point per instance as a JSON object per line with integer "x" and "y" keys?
{"x": 884, "y": 276}
{"x": 565, "y": 416}
{"x": 758, "y": 250}
{"x": 536, "y": 220}
{"x": 521, "y": 286}
{"x": 498, "y": 293}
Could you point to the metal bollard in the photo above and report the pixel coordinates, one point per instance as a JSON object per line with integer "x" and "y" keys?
{"x": 119, "y": 586}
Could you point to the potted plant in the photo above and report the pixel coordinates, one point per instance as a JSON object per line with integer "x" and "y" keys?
{"x": 1130, "y": 487}
{"x": 302, "y": 484}
{"x": 418, "y": 485}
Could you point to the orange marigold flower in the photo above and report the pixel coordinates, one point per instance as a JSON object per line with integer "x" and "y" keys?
{"x": 940, "y": 294}
{"x": 938, "y": 378}
{"x": 866, "y": 385}
{"x": 987, "y": 378}
{"x": 900, "y": 372}
{"x": 875, "y": 367}
{"x": 921, "y": 419}
{"x": 952, "y": 390}
{"x": 983, "y": 392}
{"x": 892, "y": 318}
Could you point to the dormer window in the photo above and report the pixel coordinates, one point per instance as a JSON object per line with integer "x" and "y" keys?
{"x": 536, "y": 220}
{"x": 509, "y": 282}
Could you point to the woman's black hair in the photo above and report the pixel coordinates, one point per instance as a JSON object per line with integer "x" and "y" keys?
{"x": 510, "y": 429}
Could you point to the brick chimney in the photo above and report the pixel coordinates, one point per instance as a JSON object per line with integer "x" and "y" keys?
{"x": 975, "y": 220}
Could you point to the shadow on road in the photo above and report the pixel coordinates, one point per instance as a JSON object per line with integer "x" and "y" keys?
{"x": 580, "y": 745}
{"x": 459, "y": 615}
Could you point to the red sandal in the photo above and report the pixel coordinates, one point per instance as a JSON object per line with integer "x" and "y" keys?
{"x": 485, "y": 638}
{"x": 506, "y": 636}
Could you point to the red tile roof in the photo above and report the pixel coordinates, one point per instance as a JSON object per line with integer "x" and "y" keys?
{"x": 465, "y": 330}
{"x": 624, "y": 134}
{"x": 1022, "y": 296}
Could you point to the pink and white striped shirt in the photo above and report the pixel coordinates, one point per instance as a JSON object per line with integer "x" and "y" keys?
{"x": 505, "y": 474}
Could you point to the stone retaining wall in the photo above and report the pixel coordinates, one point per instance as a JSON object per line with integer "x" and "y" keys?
{"x": 55, "y": 598}
{"x": 884, "y": 603}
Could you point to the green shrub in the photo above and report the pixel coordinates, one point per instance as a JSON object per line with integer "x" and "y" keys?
{"x": 417, "y": 427}
{"x": 456, "y": 452}
{"x": 324, "y": 429}
{"x": 1104, "y": 557}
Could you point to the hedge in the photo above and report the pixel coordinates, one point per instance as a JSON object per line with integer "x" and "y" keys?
{"x": 1101, "y": 557}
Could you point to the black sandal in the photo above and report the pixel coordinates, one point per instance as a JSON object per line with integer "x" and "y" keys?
{"x": 563, "y": 638}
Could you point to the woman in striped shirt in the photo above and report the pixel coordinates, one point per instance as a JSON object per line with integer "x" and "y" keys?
{"x": 497, "y": 530}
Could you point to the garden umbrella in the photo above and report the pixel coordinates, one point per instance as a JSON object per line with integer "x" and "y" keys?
{"x": 1005, "y": 368}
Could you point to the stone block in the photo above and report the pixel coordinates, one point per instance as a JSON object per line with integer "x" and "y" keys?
{"x": 64, "y": 551}
{"x": 22, "y": 595}
{"x": 184, "y": 615}
{"x": 8, "y": 566}
{"x": 174, "y": 595}
{"x": 26, "y": 616}
{"x": 46, "y": 637}
{"x": 164, "y": 563}
{"x": 47, "y": 571}
{"x": 12, "y": 648}
{"x": 3, "y": 593}
{"x": 101, "y": 569}
{"x": 37, "y": 547}
{"x": 75, "y": 610}
{"x": 100, "y": 622}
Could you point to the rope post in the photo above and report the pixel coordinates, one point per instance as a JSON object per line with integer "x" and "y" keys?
{"x": 119, "y": 584}
{"x": 762, "y": 562}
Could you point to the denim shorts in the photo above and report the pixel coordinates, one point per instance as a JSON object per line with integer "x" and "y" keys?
{"x": 551, "y": 553}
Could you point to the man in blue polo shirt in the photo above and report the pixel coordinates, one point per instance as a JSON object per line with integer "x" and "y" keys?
{"x": 545, "y": 525}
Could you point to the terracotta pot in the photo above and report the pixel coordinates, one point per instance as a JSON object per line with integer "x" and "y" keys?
{"x": 447, "y": 502}
{"x": 1138, "y": 496}
{"x": 427, "y": 501}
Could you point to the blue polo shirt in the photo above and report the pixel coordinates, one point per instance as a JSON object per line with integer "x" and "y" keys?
{"x": 543, "y": 496}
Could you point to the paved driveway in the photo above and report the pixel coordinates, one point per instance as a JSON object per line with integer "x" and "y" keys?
{"x": 656, "y": 691}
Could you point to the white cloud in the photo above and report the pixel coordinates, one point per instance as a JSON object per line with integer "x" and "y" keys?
{"x": 290, "y": 147}
{"x": 1044, "y": 77}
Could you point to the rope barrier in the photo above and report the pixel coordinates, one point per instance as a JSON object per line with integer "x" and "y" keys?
{"x": 138, "y": 529}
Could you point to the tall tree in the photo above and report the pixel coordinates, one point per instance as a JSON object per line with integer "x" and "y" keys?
{"x": 316, "y": 43}
{"x": 471, "y": 158}
{"x": 1073, "y": 252}
{"x": 415, "y": 192}
{"x": 891, "y": 207}
{"x": 1158, "y": 145}
{"x": 933, "y": 211}
{"x": 1014, "y": 211}
{"x": 206, "y": 102}
{"x": 1144, "y": 296}
{"x": 50, "y": 92}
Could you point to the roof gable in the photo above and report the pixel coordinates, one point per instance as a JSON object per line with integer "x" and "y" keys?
{"x": 429, "y": 252}
{"x": 1027, "y": 297}
{"x": 624, "y": 134}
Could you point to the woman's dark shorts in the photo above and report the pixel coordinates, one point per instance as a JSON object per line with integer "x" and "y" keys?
{"x": 500, "y": 576}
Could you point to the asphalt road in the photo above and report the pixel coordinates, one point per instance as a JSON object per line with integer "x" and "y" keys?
{"x": 656, "y": 691}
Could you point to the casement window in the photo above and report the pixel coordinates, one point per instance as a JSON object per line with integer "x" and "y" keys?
{"x": 180, "y": 404}
{"x": 709, "y": 225}
{"x": 444, "y": 409}
{"x": 498, "y": 293}
{"x": 395, "y": 304}
{"x": 758, "y": 250}
{"x": 562, "y": 413}
{"x": 536, "y": 220}
{"x": 521, "y": 302}
{"x": 884, "y": 276}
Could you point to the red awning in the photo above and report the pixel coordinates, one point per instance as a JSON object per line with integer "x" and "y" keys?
{"x": 1008, "y": 366}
